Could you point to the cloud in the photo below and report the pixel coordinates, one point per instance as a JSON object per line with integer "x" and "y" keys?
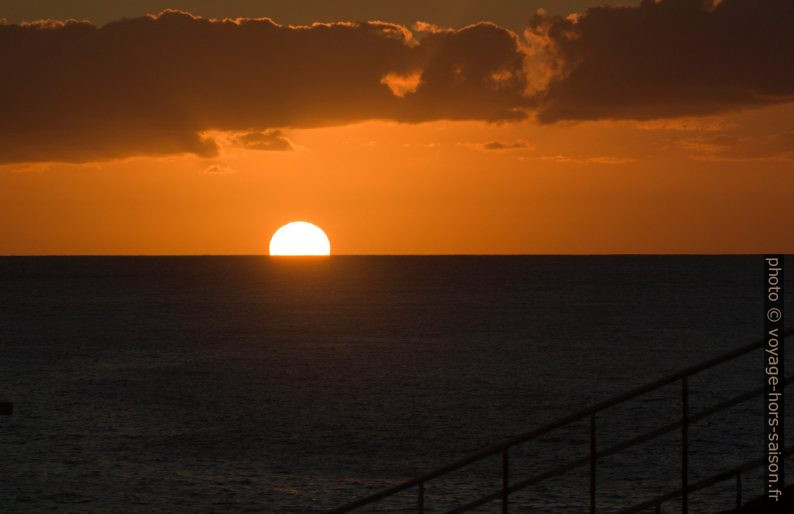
{"x": 401, "y": 85}
{"x": 219, "y": 169}
{"x": 598, "y": 159}
{"x": 156, "y": 85}
{"x": 170, "y": 83}
{"x": 688, "y": 124}
{"x": 664, "y": 58}
{"x": 726, "y": 147}
{"x": 272, "y": 140}
{"x": 501, "y": 146}
{"x": 423, "y": 26}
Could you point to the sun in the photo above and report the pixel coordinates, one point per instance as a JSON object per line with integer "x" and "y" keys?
{"x": 300, "y": 238}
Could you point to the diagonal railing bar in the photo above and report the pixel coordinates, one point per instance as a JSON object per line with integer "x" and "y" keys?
{"x": 702, "y": 484}
{"x": 590, "y": 412}
{"x": 634, "y": 441}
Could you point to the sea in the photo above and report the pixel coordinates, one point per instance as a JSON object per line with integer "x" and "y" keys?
{"x": 297, "y": 385}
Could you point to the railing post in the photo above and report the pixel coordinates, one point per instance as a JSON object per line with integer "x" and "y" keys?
{"x": 592, "y": 463}
{"x": 738, "y": 490}
{"x": 420, "y": 500}
{"x": 684, "y": 446}
{"x": 505, "y": 479}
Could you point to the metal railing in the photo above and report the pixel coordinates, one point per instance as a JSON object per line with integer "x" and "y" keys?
{"x": 735, "y": 473}
{"x": 683, "y": 423}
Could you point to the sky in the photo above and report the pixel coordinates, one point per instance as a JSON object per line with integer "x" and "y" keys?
{"x": 433, "y": 127}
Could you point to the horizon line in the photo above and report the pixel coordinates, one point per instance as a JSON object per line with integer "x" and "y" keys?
{"x": 595, "y": 254}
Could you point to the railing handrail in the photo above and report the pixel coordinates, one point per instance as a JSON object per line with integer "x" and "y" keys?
{"x": 619, "y": 447}
{"x": 702, "y": 484}
{"x": 561, "y": 422}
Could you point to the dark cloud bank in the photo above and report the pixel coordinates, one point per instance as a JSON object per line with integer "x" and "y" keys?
{"x": 669, "y": 58}
{"x": 153, "y": 85}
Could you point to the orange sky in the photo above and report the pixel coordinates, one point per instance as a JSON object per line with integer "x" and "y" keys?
{"x": 718, "y": 183}
{"x": 386, "y": 188}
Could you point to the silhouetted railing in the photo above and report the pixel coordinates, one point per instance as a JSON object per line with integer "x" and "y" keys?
{"x": 683, "y": 423}
{"x": 735, "y": 473}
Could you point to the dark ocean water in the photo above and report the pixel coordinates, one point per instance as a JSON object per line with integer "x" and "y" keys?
{"x": 228, "y": 384}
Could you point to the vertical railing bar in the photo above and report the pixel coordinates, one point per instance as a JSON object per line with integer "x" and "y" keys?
{"x": 685, "y": 446}
{"x": 658, "y": 509}
{"x": 738, "y": 490}
{"x": 420, "y": 500}
{"x": 592, "y": 463}
{"x": 505, "y": 479}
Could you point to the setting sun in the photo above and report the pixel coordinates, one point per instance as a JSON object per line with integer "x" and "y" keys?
{"x": 300, "y": 238}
